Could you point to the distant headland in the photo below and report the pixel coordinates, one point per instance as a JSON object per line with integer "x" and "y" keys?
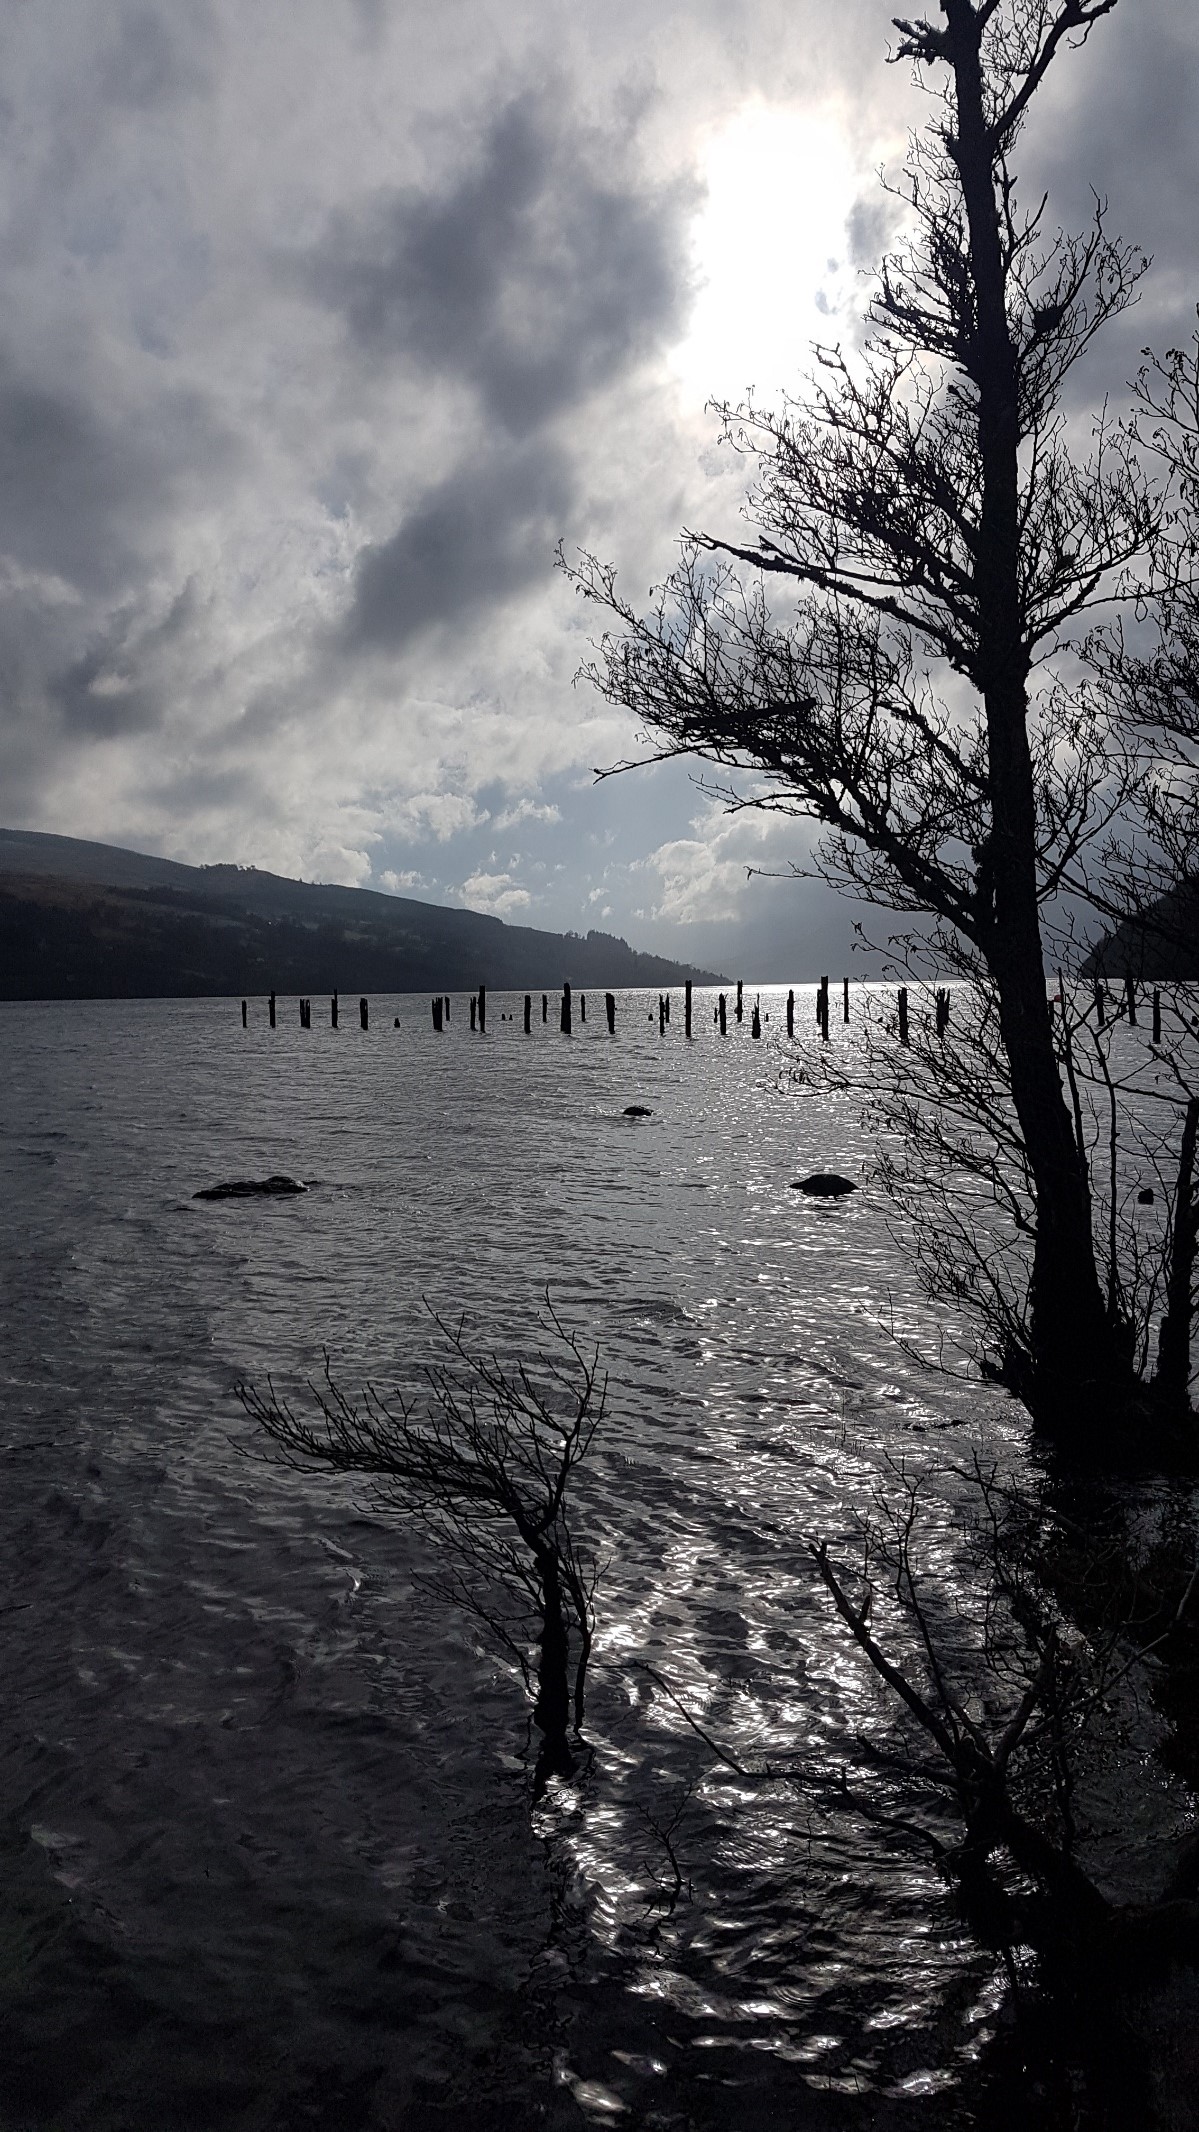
{"x": 91, "y": 921}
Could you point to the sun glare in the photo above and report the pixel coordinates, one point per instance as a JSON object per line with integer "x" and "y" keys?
{"x": 770, "y": 251}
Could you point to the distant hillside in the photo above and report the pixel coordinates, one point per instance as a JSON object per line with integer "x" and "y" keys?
{"x": 1164, "y": 944}
{"x": 90, "y": 921}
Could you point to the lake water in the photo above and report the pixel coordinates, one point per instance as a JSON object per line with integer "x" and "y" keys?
{"x": 269, "y": 1839}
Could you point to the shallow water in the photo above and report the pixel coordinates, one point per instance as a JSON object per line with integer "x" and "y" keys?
{"x": 279, "y": 1794}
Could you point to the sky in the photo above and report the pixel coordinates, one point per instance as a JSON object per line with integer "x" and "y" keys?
{"x": 323, "y": 322}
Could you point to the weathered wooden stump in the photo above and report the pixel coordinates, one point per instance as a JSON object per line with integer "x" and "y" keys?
{"x": 272, "y": 1010}
{"x": 437, "y": 1015}
{"x": 582, "y": 1006}
{"x": 738, "y": 1010}
{"x": 903, "y": 1014}
{"x": 565, "y": 1023}
{"x": 822, "y": 1008}
{"x": 791, "y": 1013}
{"x": 943, "y": 1011}
{"x": 1100, "y": 1006}
{"x": 364, "y": 1014}
{"x": 545, "y": 1007}
{"x": 305, "y": 1014}
{"x": 1130, "y": 998}
{"x": 1157, "y": 1016}
{"x": 482, "y": 1010}
{"x": 528, "y": 1013}
{"x": 333, "y": 1011}
{"x": 610, "y": 1011}
{"x": 687, "y": 1008}
{"x": 661, "y": 1014}
{"x": 755, "y": 1027}
{"x": 474, "y": 1010}
{"x": 244, "y": 1006}
{"x": 722, "y": 1012}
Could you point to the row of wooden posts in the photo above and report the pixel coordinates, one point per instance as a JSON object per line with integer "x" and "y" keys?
{"x": 478, "y": 1010}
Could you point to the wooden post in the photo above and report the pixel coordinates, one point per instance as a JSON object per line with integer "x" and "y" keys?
{"x": 545, "y": 1007}
{"x": 687, "y": 1008}
{"x": 243, "y": 1013}
{"x": 722, "y": 1011}
{"x": 822, "y": 1009}
{"x": 903, "y": 1014}
{"x": 333, "y": 1012}
{"x": 474, "y": 1010}
{"x": 791, "y": 1013}
{"x": 755, "y": 1027}
{"x": 845, "y": 999}
{"x": 1130, "y": 997}
{"x": 1157, "y": 1016}
{"x": 610, "y": 1011}
{"x": 272, "y": 1010}
{"x": 364, "y": 1014}
{"x": 437, "y": 1009}
{"x": 1099, "y": 1013}
{"x": 482, "y": 1010}
{"x": 582, "y": 1006}
{"x": 737, "y": 1010}
{"x": 528, "y": 1013}
{"x": 566, "y": 1010}
{"x": 305, "y": 1014}
{"x": 661, "y": 1014}
{"x": 943, "y": 1011}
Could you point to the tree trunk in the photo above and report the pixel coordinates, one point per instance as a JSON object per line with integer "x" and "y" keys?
{"x": 1078, "y": 1367}
{"x": 551, "y": 1711}
{"x": 1172, "y": 1379}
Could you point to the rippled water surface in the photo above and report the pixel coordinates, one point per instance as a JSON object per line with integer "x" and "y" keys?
{"x": 283, "y": 1866}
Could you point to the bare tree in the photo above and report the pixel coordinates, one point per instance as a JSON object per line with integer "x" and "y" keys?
{"x": 484, "y": 1465}
{"x": 940, "y": 543}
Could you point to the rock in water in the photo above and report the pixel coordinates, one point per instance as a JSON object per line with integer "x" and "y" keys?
{"x": 824, "y": 1184}
{"x": 253, "y": 1188}
{"x": 638, "y": 1110}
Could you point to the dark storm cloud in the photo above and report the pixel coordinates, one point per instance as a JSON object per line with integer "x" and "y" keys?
{"x": 535, "y": 275}
{"x": 481, "y": 535}
{"x": 79, "y": 487}
{"x": 114, "y": 687}
{"x": 149, "y": 63}
{"x": 1130, "y": 130}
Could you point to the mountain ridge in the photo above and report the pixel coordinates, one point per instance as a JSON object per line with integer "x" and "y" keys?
{"x": 83, "y": 920}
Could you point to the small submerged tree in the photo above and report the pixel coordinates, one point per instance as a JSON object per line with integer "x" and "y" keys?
{"x": 484, "y": 1467}
{"x": 941, "y": 542}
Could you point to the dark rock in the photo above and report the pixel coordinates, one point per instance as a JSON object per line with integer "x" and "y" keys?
{"x": 824, "y": 1184}
{"x": 638, "y": 1110}
{"x": 1145, "y": 1196}
{"x": 253, "y": 1188}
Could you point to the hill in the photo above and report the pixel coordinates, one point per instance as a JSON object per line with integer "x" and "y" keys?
{"x": 1163, "y": 944}
{"x": 91, "y": 921}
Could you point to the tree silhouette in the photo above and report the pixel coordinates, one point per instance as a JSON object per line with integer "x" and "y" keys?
{"x": 940, "y": 543}
{"x": 484, "y": 1466}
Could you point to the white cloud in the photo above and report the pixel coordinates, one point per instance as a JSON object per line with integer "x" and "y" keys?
{"x": 498, "y": 894}
{"x": 438, "y": 814}
{"x": 401, "y": 884}
{"x": 527, "y": 810}
{"x": 704, "y": 877}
